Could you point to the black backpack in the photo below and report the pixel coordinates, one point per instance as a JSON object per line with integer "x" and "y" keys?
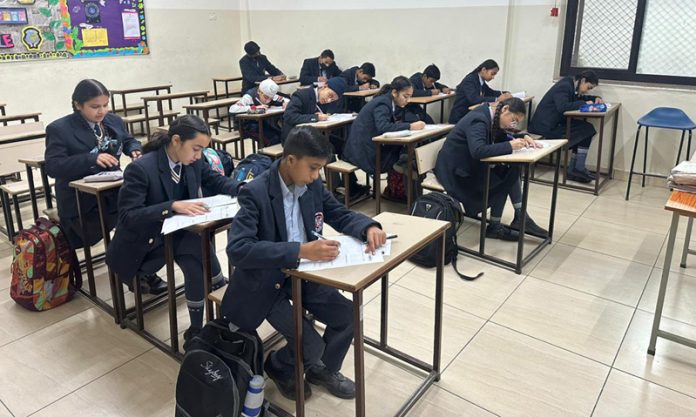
{"x": 216, "y": 370}
{"x": 251, "y": 167}
{"x": 440, "y": 206}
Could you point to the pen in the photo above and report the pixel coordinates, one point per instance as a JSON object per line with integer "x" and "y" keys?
{"x": 319, "y": 236}
{"x": 392, "y": 236}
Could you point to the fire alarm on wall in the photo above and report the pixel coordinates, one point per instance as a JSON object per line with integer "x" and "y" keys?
{"x": 554, "y": 11}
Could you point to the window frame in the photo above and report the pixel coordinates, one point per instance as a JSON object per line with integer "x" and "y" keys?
{"x": 630, "y": 74}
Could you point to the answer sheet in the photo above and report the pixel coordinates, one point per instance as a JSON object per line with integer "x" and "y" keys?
{"x": 352, "y": 252}
{"x": 219, "y": 206}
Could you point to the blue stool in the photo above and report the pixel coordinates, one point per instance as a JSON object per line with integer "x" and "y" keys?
{"x": 665, "y": 118}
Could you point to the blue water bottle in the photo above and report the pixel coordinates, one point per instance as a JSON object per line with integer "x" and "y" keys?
{"x": 253, "y": 403}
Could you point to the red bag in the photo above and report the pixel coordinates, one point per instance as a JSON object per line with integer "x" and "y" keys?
{"x": 395, "y": 189}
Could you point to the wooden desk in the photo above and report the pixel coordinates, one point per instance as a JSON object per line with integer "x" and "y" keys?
{"x": 680, "y": 204}
{"x": 158, "y": 99}
{"x": 32, "y": 163}
{"x": 226, "y": 81}
{"x": 270, "y": 113}
{"x": 98, "y": 189}
{"x": 24, "y": 131}
{"x": 526, "y": 159}
{"x": 414, "y": 233}
{"x": 410, "y": 142}
{"x": 424, "y": 101}
{"x": 360, "y": 94}
{"x": 125, "y": 91}
{"x": 206, "y": 106}
{"x": 19, "y": 118}
{"x": 602, "y": 116}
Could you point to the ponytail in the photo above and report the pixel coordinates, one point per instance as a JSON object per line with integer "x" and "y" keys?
{"x": 487, "y": 64}
{"x": 187, "y": 127}
{"x": 515, "y": 105}
{"x": 399, "y": 84}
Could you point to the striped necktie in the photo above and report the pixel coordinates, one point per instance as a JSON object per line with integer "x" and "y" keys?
{"x": 176, "y": 173}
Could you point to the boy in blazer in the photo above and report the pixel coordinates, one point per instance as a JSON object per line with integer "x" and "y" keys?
{"x": 359, "y": 78}
{"x": 281, "y": 212}
{"x": 255, "y": 67}
{"x": 319, "y": 69}
{"x": 425, "y": 83}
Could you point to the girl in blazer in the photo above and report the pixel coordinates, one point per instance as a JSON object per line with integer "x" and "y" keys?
{"x": 155, "y": 187}
{"x": 481, "y": 134}
{"x": 568, "y": 94}
{"x": 474, "y": 90}
{"x": 376, "y": 118}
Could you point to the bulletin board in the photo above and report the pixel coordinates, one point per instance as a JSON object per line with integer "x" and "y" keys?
{"x": 62, "y": 29}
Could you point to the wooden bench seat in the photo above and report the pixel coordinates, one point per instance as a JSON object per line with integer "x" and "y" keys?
{"x": 274, "y": 151}
{"x": 137, "y": 118}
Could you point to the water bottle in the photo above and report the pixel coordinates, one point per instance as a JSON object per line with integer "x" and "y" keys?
{"x": 254, "y": 398}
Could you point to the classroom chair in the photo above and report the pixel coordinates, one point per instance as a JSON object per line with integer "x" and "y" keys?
{"x": 345, "y": 169}
{"x": 426, "y": 158}
{"x": 664, "y": 118}
{"x": 14, "y": 191}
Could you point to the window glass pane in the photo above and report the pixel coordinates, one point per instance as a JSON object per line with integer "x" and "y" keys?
{"x": 604, "y": 33}
{"x": 668, "y": 46}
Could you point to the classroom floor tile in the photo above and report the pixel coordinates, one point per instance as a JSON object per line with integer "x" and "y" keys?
{"x": 567, "y": 201}
{"x": 680, "y": 297}
{"x": 572, "y": 320}
{"x": 595, "y": 273}
{"x": 675, "y": 264}
{"x": 4, "y": 412}
{"x": 512, "y": 374}
{"x": 628, "y": 396}
{"x": 442, "y": 403}
{"x": 649, "y": 219}
{"x": 650, "y": 196}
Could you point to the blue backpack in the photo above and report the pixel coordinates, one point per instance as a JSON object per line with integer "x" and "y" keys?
{"x": 251, "y": 167}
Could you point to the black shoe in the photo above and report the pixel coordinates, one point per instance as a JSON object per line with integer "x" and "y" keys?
{"x": 502, "y": 232}
{"x": 335, "y": 382}
{"x": 589, "y": 174}
{"x": 189, "y": 334}
{"x": 358, "y": 190}
{"x": 579, "y": 176}
{"x": 155, "y": 284}
{"x": 530, "y": 228}
{"x": 285, "y": 385}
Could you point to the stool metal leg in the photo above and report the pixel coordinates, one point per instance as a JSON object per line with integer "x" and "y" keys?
{"x": 687, "y": 239}
{"x": 645, "y": 157}
{"x": 681, "y": 145}
{"x": 663, "y": 282}
{"x": 688, "y": 147}
{"x": 18, "y": 213}
{"x": 633, "y": 163}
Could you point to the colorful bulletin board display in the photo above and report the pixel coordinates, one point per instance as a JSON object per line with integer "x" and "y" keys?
{"x": 58, "y": 29}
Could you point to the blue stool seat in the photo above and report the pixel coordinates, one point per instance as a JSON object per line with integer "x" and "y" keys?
{"x": 667, "y": 118}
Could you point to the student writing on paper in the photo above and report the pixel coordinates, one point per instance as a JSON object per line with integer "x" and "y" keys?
{"x": 87, "y": 141}
{"x": 357, "y": 79}
{"x": 280, "y": 212}
{"x": 481, "y": 134}
{"x": 319, "y": 69}
{"x": 425, "y": 83}
{"x": 255, "y": 67}
{"x": 309, "y": 105}
{"x": 569, "y": 93}
{"x": 264, "y": 95}
{"x": 171, "y": 170}
{"x": 474, "y": 89}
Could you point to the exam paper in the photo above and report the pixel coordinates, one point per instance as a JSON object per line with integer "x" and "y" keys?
{"x": 538, "y": 142}
{"x": 398, "y": 134}
{"x": 352, "y": 252}
{"x": 339, "y": 117}
{"x": 220, "y": 207}
{"x": 520, "y": 94}
{"x": 433, "y": 127}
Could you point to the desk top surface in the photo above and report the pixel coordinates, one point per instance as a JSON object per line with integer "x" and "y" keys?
{"x": 20, "y": 116}
{"x": 525, "y": 99}
{"x": 412, "y": 233}
{"x": 430, "y": 99}
{"x": 577, "y": 113}
{"x": 362, "y": 93}
{"x": 257, "y": 116}
{"x": 531, "y": 155}
{"x": 416, "y": 135}
{"x": 95, "y": 187}
{"x": 682, "y": 202}
{"x": 32, "y": 161}
{"x": 330, "y": 124}
{"x": 141, "y": 89}
{"x": 182, "y": 94}
{"x": 227, "y": 79}
{"x": 212, "y": 104}
{"x": 16, "y": 132}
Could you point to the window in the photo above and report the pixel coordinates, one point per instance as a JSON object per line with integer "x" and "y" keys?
{"x": 632, "y": 40}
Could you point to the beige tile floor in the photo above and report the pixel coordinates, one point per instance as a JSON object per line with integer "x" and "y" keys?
{"x": 568, "y": 337}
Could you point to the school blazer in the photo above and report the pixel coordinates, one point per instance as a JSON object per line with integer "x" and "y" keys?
{"x": 145, "y": 200}
{"x": 69, "y": 141}
{"x": 419, "y": 89}
{"x": 303, "y": 108}
{"x": 258, "y": 247}
{"x": 459, "y": 158}
{"x": 560, "y": 98}
{"x": 469, "y": 92}
{"x": 311, "y": 70}
{"x": 254, "y": 70}
{"x": 375, "y": 118}
{"x": 352, "y": 84}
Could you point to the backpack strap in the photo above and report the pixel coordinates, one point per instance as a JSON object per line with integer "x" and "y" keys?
{"x": 462, "y": 276}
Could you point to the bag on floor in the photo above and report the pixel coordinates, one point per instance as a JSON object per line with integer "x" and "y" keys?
{"x": 440, "y": 206}
{"x": 45, "y": 270}
{"x": 251, "y": 167}
{"x": 396, "y": 186}
{"x": 216, "y": 370}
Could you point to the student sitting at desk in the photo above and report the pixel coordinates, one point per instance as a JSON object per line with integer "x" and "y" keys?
{"x": 359, "y": 78}
{"x": 474, "y": 90}
{"x": 88, "y": 141}
{"x": 568, "y": 94}
{"x": 155, "y": 187}
{"x": 319, "y": 69}
{"x": 376, "y": 118}
{"x": 280, "y": 221}
{"x": 265, "y": 96}
{"x": 254, "y": 67}
{"x": 309, "y": 105}
{"x": 481, "y": 134}
{"x": 425, "y": 83}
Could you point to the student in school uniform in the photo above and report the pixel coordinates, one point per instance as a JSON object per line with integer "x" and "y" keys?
{"x": 86, "y": 142}
{"x": 474, "y": 89}
{"x": 280, "y": 221}
{"x": 359, "y": 78}
{"x": 265, "y": 95}
{"x": 319, "y": 69}
{"x": 376, "y": 118}
{"x": 313, "y": 104}
{"x": 425, "y": 83}
{"x": 256, "y": 67}
{"x": 156, "y": 187}
{"x": 481, "y": 134}
{"x": 568, "y": 94}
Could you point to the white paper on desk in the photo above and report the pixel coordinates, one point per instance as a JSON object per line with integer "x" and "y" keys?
{"x": 352, "y": 252}
{"x": 274, "y": 109}
{"x": 217, "y": 211}
{"x": 398, "y": 134}
{"x": 520, "y": 94}
{"x": 442, "y": 94}
{"x": 538, "y": 142}
{"x": 433, "y": 127}
{"x": 339, "y": 117}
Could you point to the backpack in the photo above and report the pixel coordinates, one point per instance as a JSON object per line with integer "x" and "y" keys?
{"x": 219, "y": 160}
{"x": 395, "y": 189}
{"x": 251, "y": 167}
{"x": 440, "y": 206}
{"x": 45, "y": 270}
{"x": 217, "y": 368}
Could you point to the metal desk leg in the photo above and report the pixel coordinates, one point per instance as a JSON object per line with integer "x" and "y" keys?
{"x": 663, "y": 282}
{"x": 378, "y": 179}
{"x": 359, "y": 353}
{"x": 47, "y": 187}
{"x": 384, "y": 313}
{"x": 523, "y": 220}
{"x": 171, "y": 292}
{"x": 439, "y": 299}
{"x": 101, "y": 205}
{"x": 87, "y": 250}
{"x": 409, "y": 176}
{"x": 598, "y": 168}
{"x": 687, "y": 238}
{"x": 299, "y": 354}
{"x": 207, "y": 273}
{"x": 32, "y": 192}
{"x": 484, "y": 210}
{"x": 554, "y": 195}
